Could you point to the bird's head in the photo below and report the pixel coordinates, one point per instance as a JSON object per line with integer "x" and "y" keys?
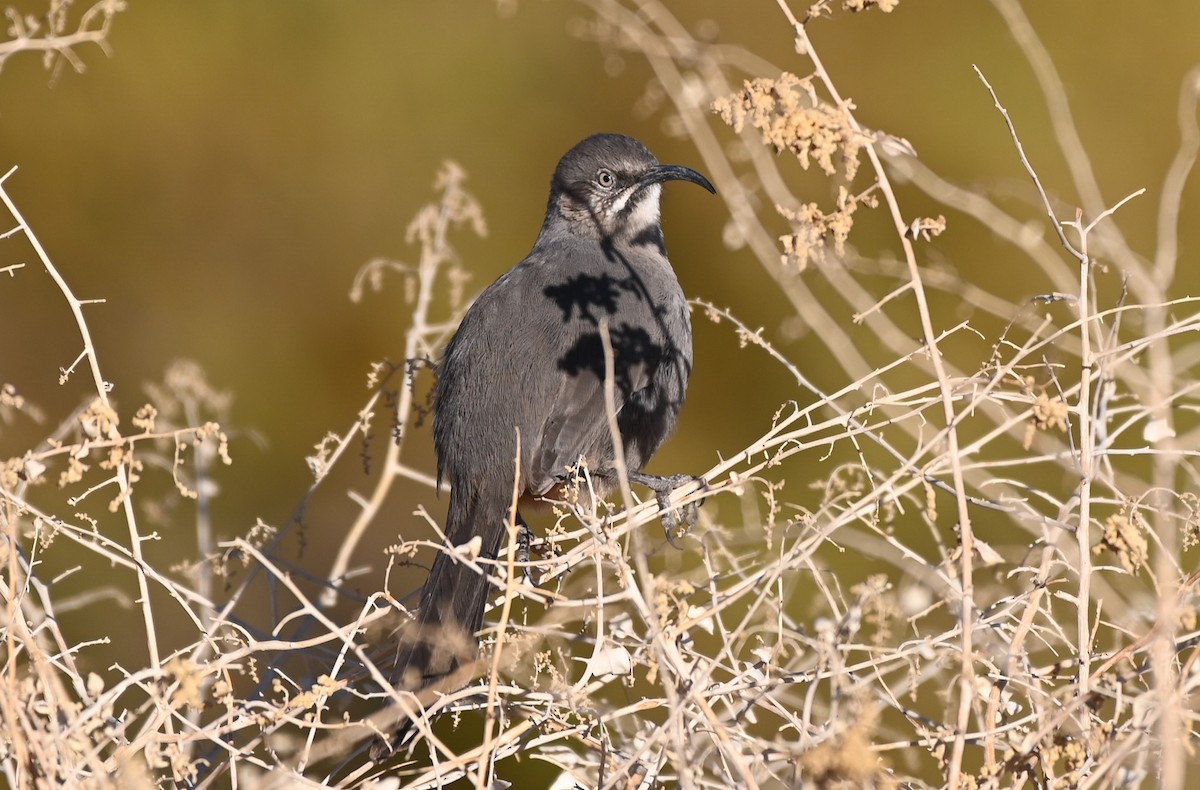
{"x": 608, "y": 186}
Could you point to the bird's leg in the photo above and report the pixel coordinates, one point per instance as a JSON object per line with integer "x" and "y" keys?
{"x": 524, "y": 540}
{"x": 674, "y": 526}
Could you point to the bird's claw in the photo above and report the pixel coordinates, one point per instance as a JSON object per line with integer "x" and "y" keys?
{"x": 671, "y": 524}
{"x": 677, "y": 523}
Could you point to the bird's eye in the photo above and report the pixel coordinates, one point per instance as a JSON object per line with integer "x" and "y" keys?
{"x": 605, "y": 178}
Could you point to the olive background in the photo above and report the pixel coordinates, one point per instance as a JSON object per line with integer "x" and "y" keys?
{"x": 222, "y": 174}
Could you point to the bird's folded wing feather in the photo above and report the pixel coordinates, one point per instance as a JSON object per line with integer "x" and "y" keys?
{"x": 577, "y": 425}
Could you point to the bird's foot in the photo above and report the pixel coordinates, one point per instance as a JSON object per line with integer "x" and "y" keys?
{"x": 676, "y": 523}
{"x": 524, "y": 541}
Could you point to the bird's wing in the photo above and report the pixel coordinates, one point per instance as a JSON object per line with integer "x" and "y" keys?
{"x": 576, "y": 424}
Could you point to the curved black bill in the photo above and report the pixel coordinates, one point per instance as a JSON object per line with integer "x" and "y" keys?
{"x": 661, "y": 173}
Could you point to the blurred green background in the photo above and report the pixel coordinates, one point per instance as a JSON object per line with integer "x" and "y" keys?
{"x": 222, "y": 175}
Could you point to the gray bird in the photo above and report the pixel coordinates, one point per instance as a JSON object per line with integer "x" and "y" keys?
{"x": 528, "y": 357}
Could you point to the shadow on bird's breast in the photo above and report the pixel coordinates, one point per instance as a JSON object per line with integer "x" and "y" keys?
{"x": 634, "y": 352}
{"x": 588, "y": 297}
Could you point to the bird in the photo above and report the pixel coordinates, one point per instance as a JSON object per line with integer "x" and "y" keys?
{"x": 527, "y": 367}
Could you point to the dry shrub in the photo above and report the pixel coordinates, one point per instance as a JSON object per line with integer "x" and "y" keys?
{"x": 1061, "y": 654}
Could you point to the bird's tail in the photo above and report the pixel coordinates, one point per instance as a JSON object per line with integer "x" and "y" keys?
{"x": 442, "y": 637}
